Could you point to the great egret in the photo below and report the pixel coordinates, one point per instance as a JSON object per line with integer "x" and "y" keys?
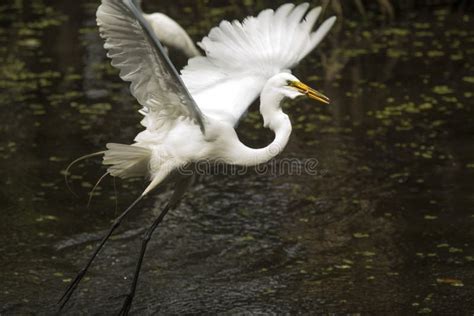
{"x": 191, "y": 118}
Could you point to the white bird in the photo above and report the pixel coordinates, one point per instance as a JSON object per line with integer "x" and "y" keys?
{"x": 191, "y": 118}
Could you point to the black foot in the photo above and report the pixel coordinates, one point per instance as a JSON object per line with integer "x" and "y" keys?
{"x": 71, "y": 288}
{"x": 127, "y": 304}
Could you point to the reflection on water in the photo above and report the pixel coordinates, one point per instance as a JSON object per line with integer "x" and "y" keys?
{"x": 384, "y": 226}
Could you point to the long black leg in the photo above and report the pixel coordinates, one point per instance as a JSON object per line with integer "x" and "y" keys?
{"x": 146, "y": 238}
{"x": 72, "y": 287}
{"x": 180, "y": 188}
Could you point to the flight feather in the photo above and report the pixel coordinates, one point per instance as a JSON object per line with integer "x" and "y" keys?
{"x": 135, "y": 50}
{"x": 251, "y": 52}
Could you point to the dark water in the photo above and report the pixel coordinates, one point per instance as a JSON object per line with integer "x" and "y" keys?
{"x": 385, "y": 226}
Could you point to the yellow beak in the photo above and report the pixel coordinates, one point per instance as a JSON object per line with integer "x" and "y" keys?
{"x": 310, "y": 92}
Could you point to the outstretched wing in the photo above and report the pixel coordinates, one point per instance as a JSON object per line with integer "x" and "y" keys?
{"x": 170, "y": 33}
{"x": 241, "y": 57}
{"x": 136, "y": 51}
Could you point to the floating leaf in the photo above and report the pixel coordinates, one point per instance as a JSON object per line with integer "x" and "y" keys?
{"x": 46, "y": 218}
{"x": 452, "y": 282}
{"x": 468, "y": 79}
{"x": 442, "y": 90}
{"x": 361, "y": 235}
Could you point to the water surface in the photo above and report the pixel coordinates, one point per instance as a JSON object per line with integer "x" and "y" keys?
{"x": 383, "y": 226}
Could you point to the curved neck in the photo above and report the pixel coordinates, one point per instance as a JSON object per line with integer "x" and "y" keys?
{"x": 273, "y": 118}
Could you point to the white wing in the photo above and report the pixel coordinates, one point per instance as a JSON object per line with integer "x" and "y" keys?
{"x": 241, "y": 57}
{"x": 171, "y": 34}
{"x": 135, "y": 50}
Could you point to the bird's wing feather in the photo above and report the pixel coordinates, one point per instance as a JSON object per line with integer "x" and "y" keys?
{"x": 135, "y": 50}
{"x": 241, "y": 57}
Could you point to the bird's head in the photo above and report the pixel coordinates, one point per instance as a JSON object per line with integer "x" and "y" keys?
{"x": 291, "y": 87}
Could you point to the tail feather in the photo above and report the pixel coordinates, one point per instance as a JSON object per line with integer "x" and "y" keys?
{"x": 127, "y": 161}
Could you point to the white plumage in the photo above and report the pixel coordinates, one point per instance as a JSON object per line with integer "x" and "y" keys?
{"x": 191, "y": 118}
{"x": 171, "y": 34}
{"x": 240, "y": 59}
{"x": 152, "y": 83}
